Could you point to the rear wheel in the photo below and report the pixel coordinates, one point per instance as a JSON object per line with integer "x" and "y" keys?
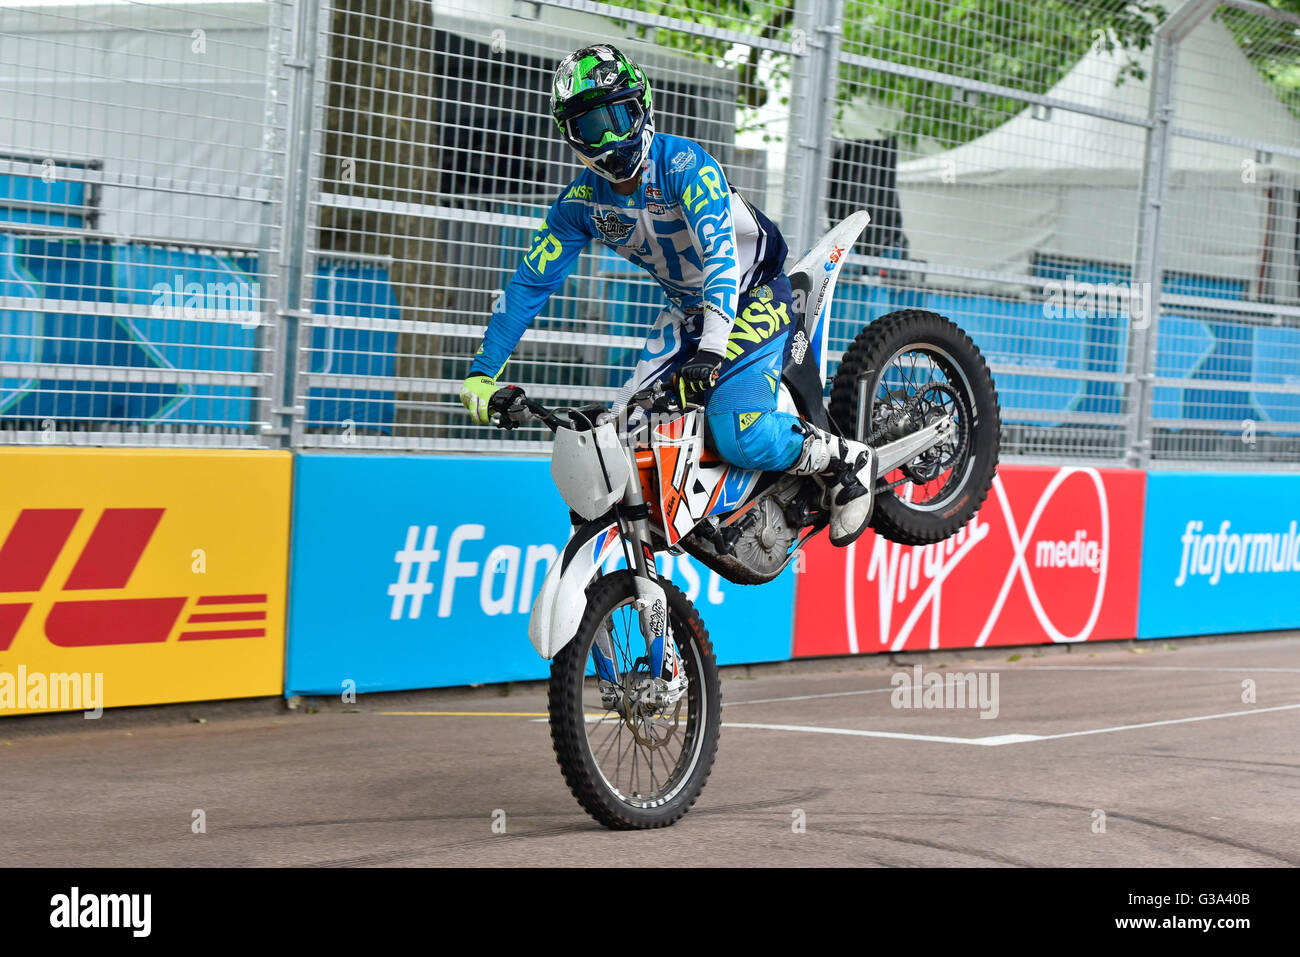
{"x": 903, "y": 372}
{"x": 631, "y": 759}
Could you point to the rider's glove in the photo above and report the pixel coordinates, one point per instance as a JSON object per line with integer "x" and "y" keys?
{"x": 698, "y": 375}
{"x": 476, "y": 393}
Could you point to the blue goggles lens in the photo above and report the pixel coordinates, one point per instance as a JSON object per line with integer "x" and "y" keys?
{"x": 617, "y": 118}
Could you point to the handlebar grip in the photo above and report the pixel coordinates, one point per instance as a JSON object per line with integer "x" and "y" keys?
{"x": 510, "y": 407}
{"x": 505, "y": 397}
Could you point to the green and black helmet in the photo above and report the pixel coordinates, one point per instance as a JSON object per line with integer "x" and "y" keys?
{"x": 601, "y": 102}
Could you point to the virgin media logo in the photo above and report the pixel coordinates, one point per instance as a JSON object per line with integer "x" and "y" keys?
{"x": 1032, "y": 563}
{"x": 106, "y": 562}
{"x": 901, "y": 571}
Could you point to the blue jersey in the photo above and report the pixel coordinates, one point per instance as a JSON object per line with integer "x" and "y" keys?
{"x": 684, "y": 225}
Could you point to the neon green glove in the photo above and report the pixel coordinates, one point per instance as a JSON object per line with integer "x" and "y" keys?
{"x": 475, "y": 393}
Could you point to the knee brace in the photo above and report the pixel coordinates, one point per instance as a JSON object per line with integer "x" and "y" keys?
{"x": 767, "y": 441}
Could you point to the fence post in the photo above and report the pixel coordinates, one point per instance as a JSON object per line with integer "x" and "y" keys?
{"x": 1148, "y": 267}
{"x": 302, "y": 136}
{"x": 813, "y": 88}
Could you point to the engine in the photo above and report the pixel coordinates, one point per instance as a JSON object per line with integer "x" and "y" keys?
{"x": 765, "y": 537}
{"x": 756, "y": 546}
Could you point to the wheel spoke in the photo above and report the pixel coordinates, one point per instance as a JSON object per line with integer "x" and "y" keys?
{"x": 642, "y": 748}
{"x": 926, "y": 394}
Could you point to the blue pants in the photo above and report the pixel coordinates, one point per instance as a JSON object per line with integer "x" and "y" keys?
{"x": 744, "y": 424}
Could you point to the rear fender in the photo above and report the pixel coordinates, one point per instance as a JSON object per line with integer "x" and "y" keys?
{"x": 815, "y": 274}
{"x": 559, "y": 607}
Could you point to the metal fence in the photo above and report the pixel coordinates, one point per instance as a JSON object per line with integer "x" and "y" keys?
{"x": 140, "y": 182}
{"x": 287, "y": 222}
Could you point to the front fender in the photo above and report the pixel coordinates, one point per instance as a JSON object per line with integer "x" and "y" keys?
{"x": 557, "y": 612}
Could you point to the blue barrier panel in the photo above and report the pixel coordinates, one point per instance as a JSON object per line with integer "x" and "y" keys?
{"x": 354, "y": 290}
{"x": 418, "y": 572}
{"x": 56, "y": 190}
{"x": 20, "y": 331}
{"x": 195, "y": 311}
{"x": 1276, "y": 360}
{"x": 164, "y": 285}
{"x": 1220, "y": 553}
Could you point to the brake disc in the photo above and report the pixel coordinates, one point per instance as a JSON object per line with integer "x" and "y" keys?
{"x": 638, "y": 707}
{"x": 931, "y": 463}
{"x": 652, "y": 743}
{"x": 917, "y": 408}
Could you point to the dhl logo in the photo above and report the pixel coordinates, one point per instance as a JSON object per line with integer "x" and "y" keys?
{"x": 107, "y": 561}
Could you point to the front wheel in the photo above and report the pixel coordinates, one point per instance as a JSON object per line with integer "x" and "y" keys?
{"x": 633, "y": 756}
{"x": 901, "y": 373}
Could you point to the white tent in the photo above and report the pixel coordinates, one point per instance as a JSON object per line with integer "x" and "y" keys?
{"x": 1064, "y": 183}
{"x": 168, "y": 101}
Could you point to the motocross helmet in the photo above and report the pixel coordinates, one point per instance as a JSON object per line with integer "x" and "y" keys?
{"x": 601, "y": 102}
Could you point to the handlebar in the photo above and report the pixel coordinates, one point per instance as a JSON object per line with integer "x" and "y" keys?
{"x": 511, "y": 407}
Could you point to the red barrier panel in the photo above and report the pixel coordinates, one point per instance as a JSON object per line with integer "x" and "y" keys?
{"x": 1053, "y": 556}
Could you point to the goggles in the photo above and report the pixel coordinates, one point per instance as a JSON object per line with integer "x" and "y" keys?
{"x": 605, "y": 124}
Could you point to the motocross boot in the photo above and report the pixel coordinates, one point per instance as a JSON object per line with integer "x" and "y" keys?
{"x": 848, "y": 469}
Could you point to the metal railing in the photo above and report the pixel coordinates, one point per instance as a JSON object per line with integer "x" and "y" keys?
{"x": 286, "y": 222}
{"x": 141, "y": 199}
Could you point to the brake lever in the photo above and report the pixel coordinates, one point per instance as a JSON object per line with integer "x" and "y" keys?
{"x": 509, "y": 407}
{"x": 669, "y": 400}
{"x": 646, "y": 397}
{"x": 660, "y": 398}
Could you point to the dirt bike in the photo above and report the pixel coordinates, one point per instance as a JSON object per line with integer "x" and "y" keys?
{"x": 634, "y": 696}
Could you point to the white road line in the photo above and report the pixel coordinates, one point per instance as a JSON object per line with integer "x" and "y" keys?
{"x": 798, "y": 697}
{"x": 902, "y": 736}
{"x": 807, "y": 697}
{"x": 1155, "y": 724}
{"x": 998, "y": 739}
{"x": 840, "y": 694}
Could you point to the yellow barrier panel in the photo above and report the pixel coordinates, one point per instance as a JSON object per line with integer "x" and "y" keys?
{"x": 145, "y": 576}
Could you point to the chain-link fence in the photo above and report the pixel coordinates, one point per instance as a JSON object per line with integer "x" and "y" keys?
{"x": 439, "y": 159}
{"x": 139, "y": 206}
{"x": 1105, "y": 195}
{"x": 1225, "y": 360}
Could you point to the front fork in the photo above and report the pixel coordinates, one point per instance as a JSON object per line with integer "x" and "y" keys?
{"x": 651, "y": 603}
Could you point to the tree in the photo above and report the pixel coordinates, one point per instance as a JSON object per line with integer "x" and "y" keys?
{"x": 1271, "y": 45}
{"x": 1027, "y": 45}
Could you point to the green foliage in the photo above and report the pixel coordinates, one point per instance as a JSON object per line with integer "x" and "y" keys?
{"x": 1271, "y": 45}
{"x": 1024, "y": 44}
{"x": 1027, "y": 45}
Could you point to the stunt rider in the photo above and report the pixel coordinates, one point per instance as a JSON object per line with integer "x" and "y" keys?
{"x": 663, "y": 203}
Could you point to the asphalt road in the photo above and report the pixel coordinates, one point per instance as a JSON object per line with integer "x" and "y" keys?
{"x": 1154, "y": 746}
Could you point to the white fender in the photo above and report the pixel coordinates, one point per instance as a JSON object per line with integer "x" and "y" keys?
{"x": 822, "y": 264}
{"x": 557, "y": 612}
